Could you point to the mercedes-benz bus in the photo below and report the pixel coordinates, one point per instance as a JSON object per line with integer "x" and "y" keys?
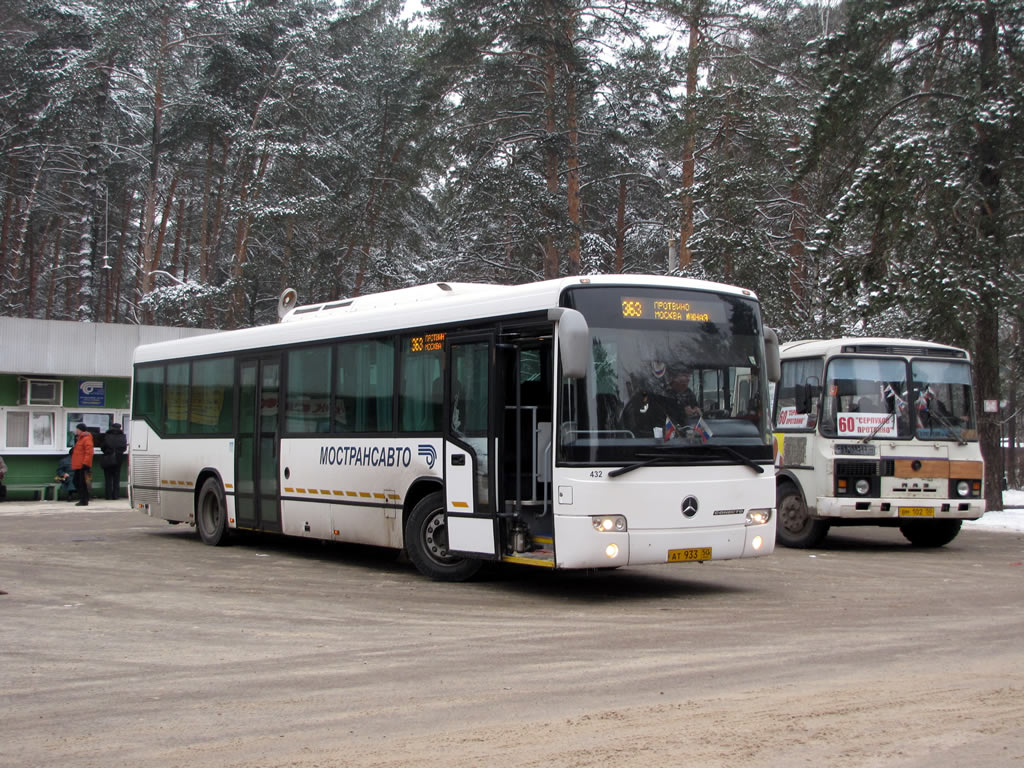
{"x": 467, "y": 423}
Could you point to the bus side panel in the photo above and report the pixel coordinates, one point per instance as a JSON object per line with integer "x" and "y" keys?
{"x": 352, "y": 489}
{"x": 165, "y": 472}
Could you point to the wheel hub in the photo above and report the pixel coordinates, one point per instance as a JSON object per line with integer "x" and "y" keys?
{"x": 435, "y": 536}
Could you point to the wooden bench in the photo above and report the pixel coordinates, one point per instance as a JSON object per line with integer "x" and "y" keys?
{"x": 41, "y": 488}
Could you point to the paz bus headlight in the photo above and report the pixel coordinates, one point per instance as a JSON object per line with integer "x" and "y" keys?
{"x": 963, "y": 488}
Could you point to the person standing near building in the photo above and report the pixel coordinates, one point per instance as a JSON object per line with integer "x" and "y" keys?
{"x": 113, "y": 446}
{"x": 81, "y": 463}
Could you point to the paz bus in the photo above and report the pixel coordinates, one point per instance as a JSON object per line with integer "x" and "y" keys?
{"x": 876, "y": 431}
{"x": 467, "y": 423}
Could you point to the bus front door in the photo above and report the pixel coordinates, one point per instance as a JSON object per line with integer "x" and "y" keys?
{"x": 257, "y": 496}
{"x": 470, "y": 447}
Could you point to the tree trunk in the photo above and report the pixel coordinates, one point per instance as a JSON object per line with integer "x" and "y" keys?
{"x": 797, "y": 236}
{"x": 9, "y": 212}
{"x": 986, "y": 355}
{"x": 242, "y": 236}
{"x": 147, "y": 261}
{"x": 550, "y": 255}
{"x": 89, "y": 223}
{"x": 620, "y": 228}
{"x": 690, "y": 147}
{"x": 117, "y": 275}
{"x": 573, "y": 154}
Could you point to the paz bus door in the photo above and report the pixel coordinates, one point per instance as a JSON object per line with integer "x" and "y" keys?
{"x": 257, "y": 459}
{"x": 471, "y": 446}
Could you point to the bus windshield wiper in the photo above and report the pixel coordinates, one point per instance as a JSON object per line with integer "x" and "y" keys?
{"x": 954, "y": 431}
{"x": 878, "y": 429}
{"x": 685, "y": 452}
{"x": 738, "y": 456}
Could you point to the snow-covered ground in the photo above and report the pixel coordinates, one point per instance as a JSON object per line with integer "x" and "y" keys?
{"x": 1010, "y": 519}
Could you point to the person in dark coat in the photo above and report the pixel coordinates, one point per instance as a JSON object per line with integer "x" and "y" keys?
{"x": 66, "y": 476}
{"x": 114, "y": 446}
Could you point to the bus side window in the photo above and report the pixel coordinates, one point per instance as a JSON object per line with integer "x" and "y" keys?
{"x": 798, "y": 394}
{"x": 421, "y": 395}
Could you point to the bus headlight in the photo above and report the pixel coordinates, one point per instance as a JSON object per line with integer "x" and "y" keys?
{"x": 612, "y": 551}
{"x": 963, "y": 488}
{"x": 604, "y": 523}
{"x": 863, "y": 487}
{"x": 759, "y": 516}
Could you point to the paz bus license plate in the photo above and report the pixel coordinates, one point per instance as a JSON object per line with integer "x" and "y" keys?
{"x": 917, "y": 512}
{"x": 689, "y": 555}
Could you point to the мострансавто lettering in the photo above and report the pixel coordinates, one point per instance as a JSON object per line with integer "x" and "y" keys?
{"x": 365, "y": 456}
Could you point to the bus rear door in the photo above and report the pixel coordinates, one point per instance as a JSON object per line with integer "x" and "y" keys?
{"x": 257, "y": 493}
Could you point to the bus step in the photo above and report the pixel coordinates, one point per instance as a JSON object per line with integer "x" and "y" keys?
{"x": 542, "y": 557}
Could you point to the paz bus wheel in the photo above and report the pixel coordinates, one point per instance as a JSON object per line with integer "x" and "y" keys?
{"x": 426, "y": 541}
{"x": 212, "y": 514}
{"x": 931, "y": 533}
{"x": 795, "y": 526}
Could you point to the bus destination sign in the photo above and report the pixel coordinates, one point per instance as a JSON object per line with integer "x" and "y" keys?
{"x": 429, "y": 342}
{"x": 672, "y": 310}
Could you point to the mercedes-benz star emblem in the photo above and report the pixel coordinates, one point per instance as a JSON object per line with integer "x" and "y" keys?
{"x": 690, "y": 506}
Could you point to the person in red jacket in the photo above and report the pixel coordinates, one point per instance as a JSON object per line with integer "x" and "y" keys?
{"x": 81, "y": 463}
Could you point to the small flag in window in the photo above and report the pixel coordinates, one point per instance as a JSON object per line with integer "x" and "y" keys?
{"x": 670, "y": 429}
{"x": 702, "y": 430}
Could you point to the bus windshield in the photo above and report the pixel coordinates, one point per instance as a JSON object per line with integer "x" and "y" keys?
{"x": 672, "y": 371}
{"x": 944, "y": 403}
{"x": 869, "y": 398}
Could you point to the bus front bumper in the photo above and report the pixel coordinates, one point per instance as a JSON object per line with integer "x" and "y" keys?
{"x": 891, "y": 508}
{"x": 578, "y": 545}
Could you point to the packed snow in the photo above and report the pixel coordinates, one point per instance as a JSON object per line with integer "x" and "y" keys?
{"x": 1010, "y": 519}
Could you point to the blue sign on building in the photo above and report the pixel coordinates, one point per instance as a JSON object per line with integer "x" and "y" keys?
{"x": 92, "y": 394}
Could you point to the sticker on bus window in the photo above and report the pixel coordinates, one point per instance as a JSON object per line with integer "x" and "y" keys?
{"x": 788, "y": 417}
{"x": 866, "y": 424}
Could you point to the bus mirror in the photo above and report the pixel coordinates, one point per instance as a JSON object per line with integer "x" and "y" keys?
{"x": 802, "y": 396}
{"x": 573, "y": 341}
{"x": 805, "y": 393}
{"x": 772, "y": 362}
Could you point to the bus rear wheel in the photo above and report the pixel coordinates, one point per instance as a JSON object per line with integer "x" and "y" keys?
{"x": 795, "y": 526}
{"x": 426, "y": 541}
{"x": 212, "y": 513}
{"x": 931, "y": 533}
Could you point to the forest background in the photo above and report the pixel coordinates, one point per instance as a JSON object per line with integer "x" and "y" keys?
{"x": 860, "y": 165}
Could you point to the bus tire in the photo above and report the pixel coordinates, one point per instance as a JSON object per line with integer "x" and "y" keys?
{"x": 931, "y": 533}
{"x": 426, "y": 542}
{"x": 795, "y": 526}
{"x": 212, "y": 514}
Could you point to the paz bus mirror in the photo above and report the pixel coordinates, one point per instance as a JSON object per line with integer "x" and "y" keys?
{"x": 573, "y": 341}
{"x": 773, "y": 364}
{"x": 805, "y": 394}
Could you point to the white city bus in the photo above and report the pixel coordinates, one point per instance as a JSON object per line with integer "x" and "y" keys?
{"x": 874, "y": 431}
{"x": 469, "y": 422}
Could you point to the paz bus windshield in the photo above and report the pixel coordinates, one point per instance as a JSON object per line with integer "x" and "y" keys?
{"x": 870, "y": 398}
{"x": 672, "y": 370}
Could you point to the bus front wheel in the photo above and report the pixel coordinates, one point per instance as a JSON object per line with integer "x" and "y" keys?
{"x": 796, "y": 528}
{"x": 931, "y": 533}
{"x": 426, "y": 541}
{"x": 212, "y": 514}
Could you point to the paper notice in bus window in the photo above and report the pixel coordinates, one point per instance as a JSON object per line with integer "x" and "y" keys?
{"x": 788, "y": 417}
{"x": 866, "y": 424}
